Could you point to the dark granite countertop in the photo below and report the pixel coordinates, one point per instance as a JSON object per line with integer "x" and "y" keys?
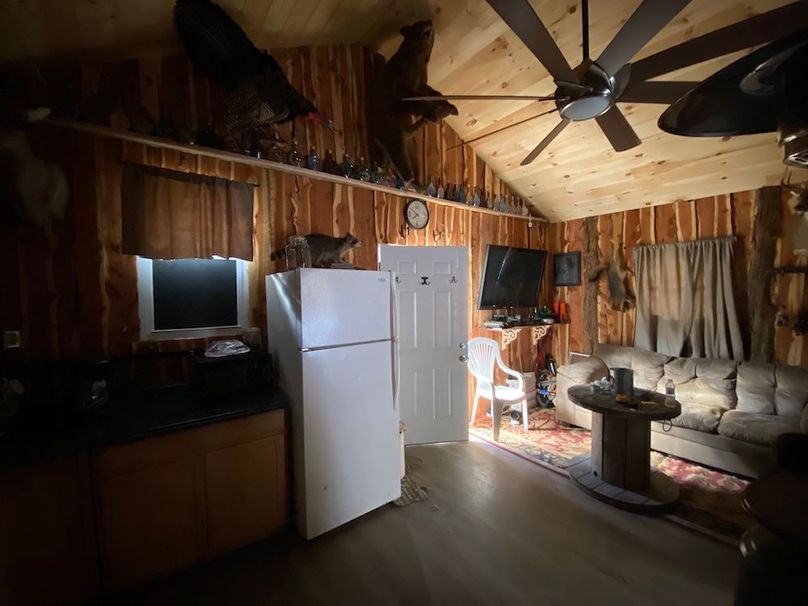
{"x": 135, "y": 416}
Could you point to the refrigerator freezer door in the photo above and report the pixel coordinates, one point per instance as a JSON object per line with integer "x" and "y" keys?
{"x": 340, "y": 307}
{"x": 350, "y": 432}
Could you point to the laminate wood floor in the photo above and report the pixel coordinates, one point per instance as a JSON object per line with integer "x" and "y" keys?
{"x": 495, "y": 530}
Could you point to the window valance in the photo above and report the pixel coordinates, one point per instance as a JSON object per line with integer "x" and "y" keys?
{"x": 168, "y": 214}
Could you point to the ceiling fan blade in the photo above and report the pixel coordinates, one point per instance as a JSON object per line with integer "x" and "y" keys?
{"x": 482, "y": 98}
{"x": 499, "y": 130}
{"x": 585, "y": 28}
{"x": 544, "y": 143}
{"x": 525, "y": 23}
{"x": 617, "y": 130}
{"x": 649, "y": 18}
{"x": 656, "y": 92}
{"x": 756, "y": 30}
{"x": 621, "y": 80}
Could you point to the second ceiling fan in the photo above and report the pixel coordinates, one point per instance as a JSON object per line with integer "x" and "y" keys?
{"x": 592, "y": 89}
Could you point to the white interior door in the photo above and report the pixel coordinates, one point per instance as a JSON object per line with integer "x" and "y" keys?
{"x": 432, "y": 297}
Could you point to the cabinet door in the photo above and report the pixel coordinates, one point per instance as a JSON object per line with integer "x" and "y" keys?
{"x": 245, "y": 487}
{"x": 151, "y": 521}
{"x": 47, "y": 545}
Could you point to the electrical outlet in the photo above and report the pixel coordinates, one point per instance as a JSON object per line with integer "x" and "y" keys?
{"x": 12, "y": 339}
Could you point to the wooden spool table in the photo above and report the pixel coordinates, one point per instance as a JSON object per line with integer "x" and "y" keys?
{"x": 619, "y": 471}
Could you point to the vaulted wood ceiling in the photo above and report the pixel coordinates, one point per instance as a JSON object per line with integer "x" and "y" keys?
{"x": 475, "y": 53}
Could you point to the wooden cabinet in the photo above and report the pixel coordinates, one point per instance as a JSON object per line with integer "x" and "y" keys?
{"x": 47, "y": 543}
{"x": 245, "y": 487}
{"x": 149, "y": 521}
{"x": 167, "y": 502}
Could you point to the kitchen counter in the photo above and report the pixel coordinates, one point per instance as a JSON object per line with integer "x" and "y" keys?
{"x": 135, "y": 416}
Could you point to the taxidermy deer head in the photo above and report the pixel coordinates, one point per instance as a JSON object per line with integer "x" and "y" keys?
{"x": 37, "y": 190}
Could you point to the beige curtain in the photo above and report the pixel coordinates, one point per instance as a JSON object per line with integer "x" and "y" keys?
{"x": 173, "y": 215}
{"x": 685, "y": 301}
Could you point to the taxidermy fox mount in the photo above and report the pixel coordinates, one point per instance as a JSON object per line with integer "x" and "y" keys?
{"x": 616, "y": 274}
{"x": 393, "y": 121}
{"x": 325, "y": 250}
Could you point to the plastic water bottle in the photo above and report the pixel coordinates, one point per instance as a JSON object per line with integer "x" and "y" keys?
{"x": 670, "y": 392}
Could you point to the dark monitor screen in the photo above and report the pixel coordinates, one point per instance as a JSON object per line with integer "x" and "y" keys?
{"x": 511, "y": 277}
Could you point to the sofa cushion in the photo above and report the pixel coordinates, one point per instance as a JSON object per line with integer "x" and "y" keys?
{"x": 715, "y": 382}
{"x": 792, "y": 390}
{"x": 755, "y": 388}
{"x": 615, "y": 356}
{"x": 648, "y": 366}
{"x": 583, "y": 371}
{"x": 705, "y": 381}
{"x": 698, "y": 417}
{"x": 756, "y": 428}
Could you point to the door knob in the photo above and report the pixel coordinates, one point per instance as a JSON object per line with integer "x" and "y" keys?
{"x": 463, "y": 357}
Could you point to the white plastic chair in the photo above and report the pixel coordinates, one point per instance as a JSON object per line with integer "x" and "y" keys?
{"x": 482, "y": 357}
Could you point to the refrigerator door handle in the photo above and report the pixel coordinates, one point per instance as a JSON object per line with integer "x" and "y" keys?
{"x": 394, "y": 337}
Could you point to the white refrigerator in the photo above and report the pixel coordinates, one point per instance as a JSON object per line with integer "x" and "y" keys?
{"x": 331, "y": 333}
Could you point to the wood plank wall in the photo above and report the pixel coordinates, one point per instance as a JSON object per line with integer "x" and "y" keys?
{"x": 730, "y": 214}
{"x": 77, "y": 296}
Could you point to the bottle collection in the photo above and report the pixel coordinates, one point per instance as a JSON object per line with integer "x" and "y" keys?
{"x": 462, "y": 194}
{"x": 478, "y": 196}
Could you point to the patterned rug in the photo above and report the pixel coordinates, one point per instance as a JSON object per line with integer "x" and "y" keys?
{"x": 709, "y": 500}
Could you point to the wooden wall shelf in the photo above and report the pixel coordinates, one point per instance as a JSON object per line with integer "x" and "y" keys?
{"x": 161, "y": 143}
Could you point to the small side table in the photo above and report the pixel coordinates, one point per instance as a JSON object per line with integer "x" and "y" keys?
{"x": 619, "y": 471}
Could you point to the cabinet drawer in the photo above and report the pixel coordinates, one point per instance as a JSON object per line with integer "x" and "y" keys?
{"x": 125, "y": 458}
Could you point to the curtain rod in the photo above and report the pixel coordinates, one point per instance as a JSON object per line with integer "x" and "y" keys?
{"x": 732, "y": 239}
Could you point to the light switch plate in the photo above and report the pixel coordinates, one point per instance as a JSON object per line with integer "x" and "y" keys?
{"x": 12, "y": 339}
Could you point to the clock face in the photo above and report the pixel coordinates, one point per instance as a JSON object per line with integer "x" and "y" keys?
{"x": 416, "y": 214}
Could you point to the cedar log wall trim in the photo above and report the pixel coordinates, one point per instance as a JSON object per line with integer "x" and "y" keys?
{"x": 76, "y": 297}
{"x": 749, "y": 215}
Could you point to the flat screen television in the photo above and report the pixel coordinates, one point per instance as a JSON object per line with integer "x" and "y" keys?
{"x": 511, "y": 277}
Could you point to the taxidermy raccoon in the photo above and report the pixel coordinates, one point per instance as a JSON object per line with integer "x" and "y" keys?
{"x": 325, "y": 250}
{"x": 616, "y": 274}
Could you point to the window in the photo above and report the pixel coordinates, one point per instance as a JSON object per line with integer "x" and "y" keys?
{"x": 183, "y": 298}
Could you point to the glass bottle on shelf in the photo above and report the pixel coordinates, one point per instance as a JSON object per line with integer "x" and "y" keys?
{"x": 430, "y": 189}
{"x": 348, "y": 168}
{"x": 441, "y": 193}
{"x": 363, "y": 172}
{"x": 377, "y": 175}
{"x": 461, "y": 194}
{"x": 476, "y": 200}
{"x": 298, "y": 253}
{"x": 313, "y": 160}
{"x": 330, "y": 164}
{"x": 295, "y": 157}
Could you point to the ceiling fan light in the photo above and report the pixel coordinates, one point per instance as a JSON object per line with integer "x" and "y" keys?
{"x": 585, "y": 108}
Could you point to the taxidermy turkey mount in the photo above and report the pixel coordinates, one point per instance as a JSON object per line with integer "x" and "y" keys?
{"x": 592, "y": 89}
{"x": 258, "y": 92}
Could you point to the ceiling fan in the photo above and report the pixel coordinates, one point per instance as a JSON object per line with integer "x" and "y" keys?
{"x": 592, "y": 88}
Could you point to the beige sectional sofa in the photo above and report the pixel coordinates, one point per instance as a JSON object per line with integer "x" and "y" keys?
{"x": 731, "y": 412}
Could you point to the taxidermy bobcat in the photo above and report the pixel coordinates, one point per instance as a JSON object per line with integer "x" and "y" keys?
{"x": 616, "y": 274}
{"x": 325, "y": 250}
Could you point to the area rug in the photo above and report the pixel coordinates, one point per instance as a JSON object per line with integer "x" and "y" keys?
{"x": 410, "y": 492}
{"x": 709, "y": 500}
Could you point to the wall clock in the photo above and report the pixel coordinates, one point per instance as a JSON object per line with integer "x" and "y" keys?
{"x": 416, "y": 214}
